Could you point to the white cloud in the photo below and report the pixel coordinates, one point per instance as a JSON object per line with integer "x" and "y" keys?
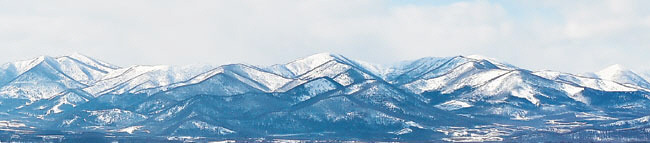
{"x": 574, "y": 36}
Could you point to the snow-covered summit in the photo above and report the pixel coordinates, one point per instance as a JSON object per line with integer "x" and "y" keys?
{"x": 46, "y": 76}
{"x": 77, "y": 66}
{"x": 618, "y": 73}
{"x": 590, "y": 81}
{"x": 497, "y": 62}
{"x": 303, "y": 65}
{"x": 92, "y": 62}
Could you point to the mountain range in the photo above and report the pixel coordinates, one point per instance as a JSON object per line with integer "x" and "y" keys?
{"x": 320, "y": 97}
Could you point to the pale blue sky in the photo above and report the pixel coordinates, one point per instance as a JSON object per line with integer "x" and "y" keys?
{"x": 574, "y": 36}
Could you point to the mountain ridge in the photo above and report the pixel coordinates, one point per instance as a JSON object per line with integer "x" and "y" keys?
{"x": 323, "y": 96}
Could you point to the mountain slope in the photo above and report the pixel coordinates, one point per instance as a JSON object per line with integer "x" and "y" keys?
{"x": 646, "y": 75}
{"x": 136, "y": 78}
{"x": 584, "y": 81}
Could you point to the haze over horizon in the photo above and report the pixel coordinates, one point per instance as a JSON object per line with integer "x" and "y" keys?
{"x": 576, "y": 37}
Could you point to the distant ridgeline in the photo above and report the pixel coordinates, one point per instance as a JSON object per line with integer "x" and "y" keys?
{"x": 320, "y": 97}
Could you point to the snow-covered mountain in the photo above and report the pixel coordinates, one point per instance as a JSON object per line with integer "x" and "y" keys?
{"x": 620, "y": 74}
{"x": 323, "y": 96}
{"x": 44, "y": 77}
{"x": 136, "y": 78}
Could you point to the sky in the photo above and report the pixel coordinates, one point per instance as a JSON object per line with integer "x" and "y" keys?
{"x": 571, "y": 36}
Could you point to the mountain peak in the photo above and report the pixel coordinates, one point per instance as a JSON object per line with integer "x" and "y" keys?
{"x": 613, "y": 71}
{"x": 307, "y": 63}
{"x": 498, "y": 63}
{"x": 22, "y": 66}
{"x": 613, "y": 68}
{"x": 619, "y": 73}
{"x": 325, "y": 55}
{"x": 478, "y": 57}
